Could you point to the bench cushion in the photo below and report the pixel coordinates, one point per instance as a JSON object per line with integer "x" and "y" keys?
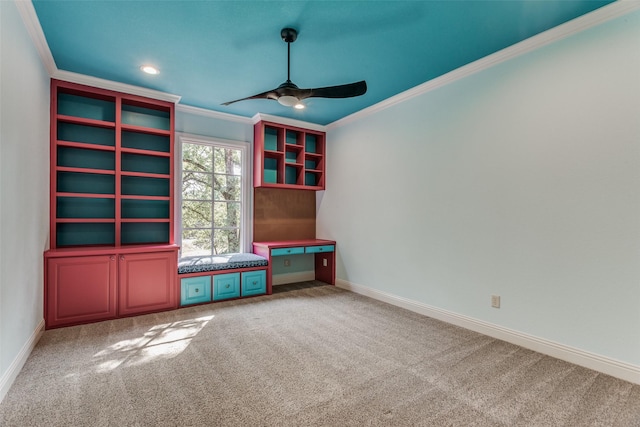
{"x": 197, "y": 264}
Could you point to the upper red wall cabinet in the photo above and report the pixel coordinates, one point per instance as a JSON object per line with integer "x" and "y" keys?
{"x": 288, "y": 157}
{"x": 111, "y": 168}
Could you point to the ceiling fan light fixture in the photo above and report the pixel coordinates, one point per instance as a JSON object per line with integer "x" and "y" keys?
{"x": 288, "y": 100}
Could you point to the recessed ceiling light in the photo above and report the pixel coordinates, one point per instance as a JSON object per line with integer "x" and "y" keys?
{"x": 149, "y": 69}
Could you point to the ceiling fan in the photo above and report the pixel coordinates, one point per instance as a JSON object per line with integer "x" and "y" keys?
{"x": 290, "y": 95}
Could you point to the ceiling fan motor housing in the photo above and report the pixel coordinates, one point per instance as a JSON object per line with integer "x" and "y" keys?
{"x": 289, "y": 35}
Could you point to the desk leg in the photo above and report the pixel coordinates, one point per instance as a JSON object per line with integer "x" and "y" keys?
{"x": 326, "y": 273}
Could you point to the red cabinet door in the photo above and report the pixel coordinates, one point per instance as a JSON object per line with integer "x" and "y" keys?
{"x": 147, "y": 282}
{"x": 80, "y": 290}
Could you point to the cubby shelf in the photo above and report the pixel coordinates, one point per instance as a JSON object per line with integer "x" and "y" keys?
{"x": 288, "y": 157}
{"x": 111, "y": 168}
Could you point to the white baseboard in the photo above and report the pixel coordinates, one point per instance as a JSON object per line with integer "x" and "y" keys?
{"x": 16, "y": 366}
{"x": 283, "y": 279}
{"x": 615, "y": 368}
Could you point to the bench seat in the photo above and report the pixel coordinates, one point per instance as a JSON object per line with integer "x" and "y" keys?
{"x": 201, "y": 264}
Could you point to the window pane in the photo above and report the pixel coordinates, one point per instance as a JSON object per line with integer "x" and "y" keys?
{"x": 226, "y": 241}
{"x": 227, "y": 188}
{"x": 227, "y": 161}
{"x": 196, "y": 186}
{"x": 226, "y": 214}
{"x": 196, "y": 242}
{"x": 196, "y": 214}
{"x": 196, "y": 157}
{"x": 211, "y": 226}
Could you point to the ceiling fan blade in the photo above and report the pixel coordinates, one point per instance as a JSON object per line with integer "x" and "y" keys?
{"x": 270, "y": 94}
{"x": 341, "y": 91}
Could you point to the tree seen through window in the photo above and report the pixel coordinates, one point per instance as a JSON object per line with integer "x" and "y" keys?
{"x": 211, "y": 199}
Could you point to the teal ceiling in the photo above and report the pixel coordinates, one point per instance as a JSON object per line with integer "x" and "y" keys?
{"x": 210, "y": 52}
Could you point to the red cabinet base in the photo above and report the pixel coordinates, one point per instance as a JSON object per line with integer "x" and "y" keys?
{"x": 92, "y": 284}
{"x": 80, "y": 289}
{"x": 147, "y": 282}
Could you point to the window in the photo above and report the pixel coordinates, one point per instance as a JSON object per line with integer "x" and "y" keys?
{"x": 213, "y": 202}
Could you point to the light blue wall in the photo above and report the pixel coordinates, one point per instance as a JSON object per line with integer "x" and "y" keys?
{"x": 201, "y": 122}
{"x": 521, "y": 181}
{"x": 24, "y": 187}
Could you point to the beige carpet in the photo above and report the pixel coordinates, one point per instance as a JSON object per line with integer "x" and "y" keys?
{"x": 308, "y": 355}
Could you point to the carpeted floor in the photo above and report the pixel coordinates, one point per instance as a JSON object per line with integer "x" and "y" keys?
{"x": 308, "y": 355}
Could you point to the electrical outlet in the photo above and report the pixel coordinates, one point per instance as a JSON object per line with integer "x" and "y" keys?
{"x": 324, "y": 262}
{"x": 495, "y": 301}
{"x": 287, "y": 263}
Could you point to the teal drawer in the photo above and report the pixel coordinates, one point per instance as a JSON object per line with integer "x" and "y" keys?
{"x": 194, "y": 290}
{"x": 316, "y": 249}
{"x": 287, "y": 251}
{"x": 254, "y": 283}
{"x": 226, "y": 286}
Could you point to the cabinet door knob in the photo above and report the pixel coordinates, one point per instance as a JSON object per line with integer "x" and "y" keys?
{"x": 112, "y": 257}
{"x": 197, "y": 290}
{"x": 122, "y": 257}
{"x": 228, "y": 286}
{"x": 255, "y": 282}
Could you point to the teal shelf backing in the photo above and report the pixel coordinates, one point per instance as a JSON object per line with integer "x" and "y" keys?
{"x": 291, "y": 137}
{"x": 310, "y": 179}
{"x": 270, "y": 171}
{"x": 142, "y": 186}
{"x": 85, "y": 107}
{"x": 144, "y": 163}
{"x": 310, "y": 143}
{"x": 83, "y": 234}
{"x": 77, "y": 182}
{"x": 88, "y": 134}
{"x": 146, "y": 141}
{"x": 270, "y": 138}
{"x": 81, "y": 207}
{"x": 133, "y": 208}
{"x": 291, "y": 157}
{"x": 144, "y": 232}
{"x": 291, "y": 175}
{"x": 86, "y": 158}
{"x": 310, "y": 164}
{"x": 146, "y": 117}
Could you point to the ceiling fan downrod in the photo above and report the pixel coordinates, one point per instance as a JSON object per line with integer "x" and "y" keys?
{"x": 289, "y": 35}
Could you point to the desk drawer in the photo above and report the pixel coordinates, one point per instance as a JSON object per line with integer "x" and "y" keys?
{"x": 316, "y": 249}
{"x": 287, "y": 251}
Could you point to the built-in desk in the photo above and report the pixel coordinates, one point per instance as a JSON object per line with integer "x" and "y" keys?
{"x": 324, "y": 250}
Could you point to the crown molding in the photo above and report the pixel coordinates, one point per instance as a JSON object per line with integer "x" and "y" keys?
{"x": 288, "y": 121}
{"x": 188, "y": 109}
{"x": 83, "y": 79}
{"x": 592, "y": 19}
{"x": 32, "y": 24}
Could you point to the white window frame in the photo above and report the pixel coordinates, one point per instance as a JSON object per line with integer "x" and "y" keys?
{"x": 246, "y": 223}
